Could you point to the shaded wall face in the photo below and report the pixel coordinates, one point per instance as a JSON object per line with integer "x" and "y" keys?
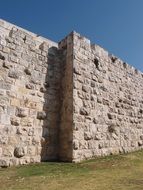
{"x": 66, "y": 112}
{"x": 108, "y": 103}
{"x": 29, "y": 97}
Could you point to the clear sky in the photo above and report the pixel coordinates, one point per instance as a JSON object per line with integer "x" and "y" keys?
{"x": 116, "y": 25}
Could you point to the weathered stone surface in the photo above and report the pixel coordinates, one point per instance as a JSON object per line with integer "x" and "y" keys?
{"x": 29, "y": 86}
{"x": 13, "y": 74}
{"x": 21, "y": 112}
{"x": 25, "y": 68}
{"x": 2, "y": 56}
{"x": 15, "y": 121}
{"x": 4, "y": 162}
{"x": 69, "y": 101}
{"x": 27, "y": 71}
{"x": 19, "y": 152}
{"x": 84, "y": 111}
{"x": 41, "y": 115}
{"x": 110, "y": 114}
{"x": 7, "y": 64}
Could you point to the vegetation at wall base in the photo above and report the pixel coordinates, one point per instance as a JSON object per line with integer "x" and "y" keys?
{"x": 119, "y": 172}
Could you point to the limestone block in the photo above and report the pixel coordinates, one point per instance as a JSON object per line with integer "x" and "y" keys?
{"x": 22, "y": 91}
{"x": 4, "y": 162}
{"x": 41, "y": 115}
{"x": 115, "y": 136}
{"x": 4, "y": 119}
{"x": 15, "y": 102}
{"x": 13, "y": 162}
{"x": 86, "y": 88}
{"x": 30, "y": 104}
{"x": 7, "y": 64}
{"x": 111, "y": 116}
{"x": 28, "y": 71}
{"x": 94, "y": 78}
{"x": 77, "y": 156}
{"x": 13, "y": 58}
{"x": 14, "y": 74}
{"x": 93, "y": 98}
{"x": 77, "y": 85}
{"x": 19, "y": 151}
{"x": 83, "y": 144}
{"x": 26, "y": 121}
{"x": 75, "y": 144}
{"x": 4, "y": 85}
{"x": 43, "y": 89}
{"x": 93, "y": 84}
{"x": 6, "y": 50}
{"x": 78, "y": 102}
{"x": 15, "y": 121}
{"x": 99, "y": 100}
{"x": 92, "y": 144}
{"x": 12, "y": 140}
{"x": 77, "y": 69}
{"x": 3, "y": 140}
{"x": 0, "y": 152}
{"x": 36, "y": 140}
{"x": 44, "y": 46}
{"x": 98, "y": 136}
{"x": 31, "y": 131}
{"x": 2, "y": 57}
{"x": 100, "y": 79}
{"x": 29, "y": 86}
{"x": 22, "y": 112}
{"x": 95, "y": 120}
{"x": 8, "y": 151}
{"x": 100, "y": 52}
{"x": 31, "y": 150}
{"x": 87, "y": 135}
{"x": 140, "y": 143}
{"x": 39, "y": 94}
{"x": 141, "y": 137}
{"x": 84, "y": 111}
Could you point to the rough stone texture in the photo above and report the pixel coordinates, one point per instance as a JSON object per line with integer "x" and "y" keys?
{"x": 107, "y": 103}
{"x": 66, "y": 112}
{"x": 69, "y": 101}
{"x": 29, "y": 96}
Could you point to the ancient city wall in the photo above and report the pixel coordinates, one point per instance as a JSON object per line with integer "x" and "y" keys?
{"x": 69, "y": 101}
{"x": 30, "y": 75}
{"x": 108, "y": 103}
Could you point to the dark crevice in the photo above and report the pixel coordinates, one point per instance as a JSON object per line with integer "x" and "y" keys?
{"x": 2, "y": 57}
{"x": 96, "y": 62}
{"x": 24, "y": 39}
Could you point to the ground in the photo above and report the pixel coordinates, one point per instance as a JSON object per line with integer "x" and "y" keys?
{"x": 121, "y": 172}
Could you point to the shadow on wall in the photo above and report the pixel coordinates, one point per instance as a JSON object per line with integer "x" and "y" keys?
{"x": 52, "y": 105}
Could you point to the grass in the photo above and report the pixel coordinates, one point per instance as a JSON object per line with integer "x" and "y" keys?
{"x": 122, "y": 172}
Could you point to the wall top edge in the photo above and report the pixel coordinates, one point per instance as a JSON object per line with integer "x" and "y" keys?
{"x": 8, "y": 26}
{"x": 96, "y": 47}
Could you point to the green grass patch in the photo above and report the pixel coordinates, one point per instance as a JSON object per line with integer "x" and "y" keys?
{"x": 120, "y": 172}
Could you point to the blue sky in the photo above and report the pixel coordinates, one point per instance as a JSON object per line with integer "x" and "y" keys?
{"x": 116, "y": 25}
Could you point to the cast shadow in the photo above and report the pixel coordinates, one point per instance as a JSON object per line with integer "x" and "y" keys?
{"x": 52, "y": 105}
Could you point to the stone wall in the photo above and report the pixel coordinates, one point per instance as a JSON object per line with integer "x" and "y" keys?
{"x": 108, "y": 103}
{"x": 29, "y": 96}
{"x": 69, "y": 101}
{"x": 66, "y": 124}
